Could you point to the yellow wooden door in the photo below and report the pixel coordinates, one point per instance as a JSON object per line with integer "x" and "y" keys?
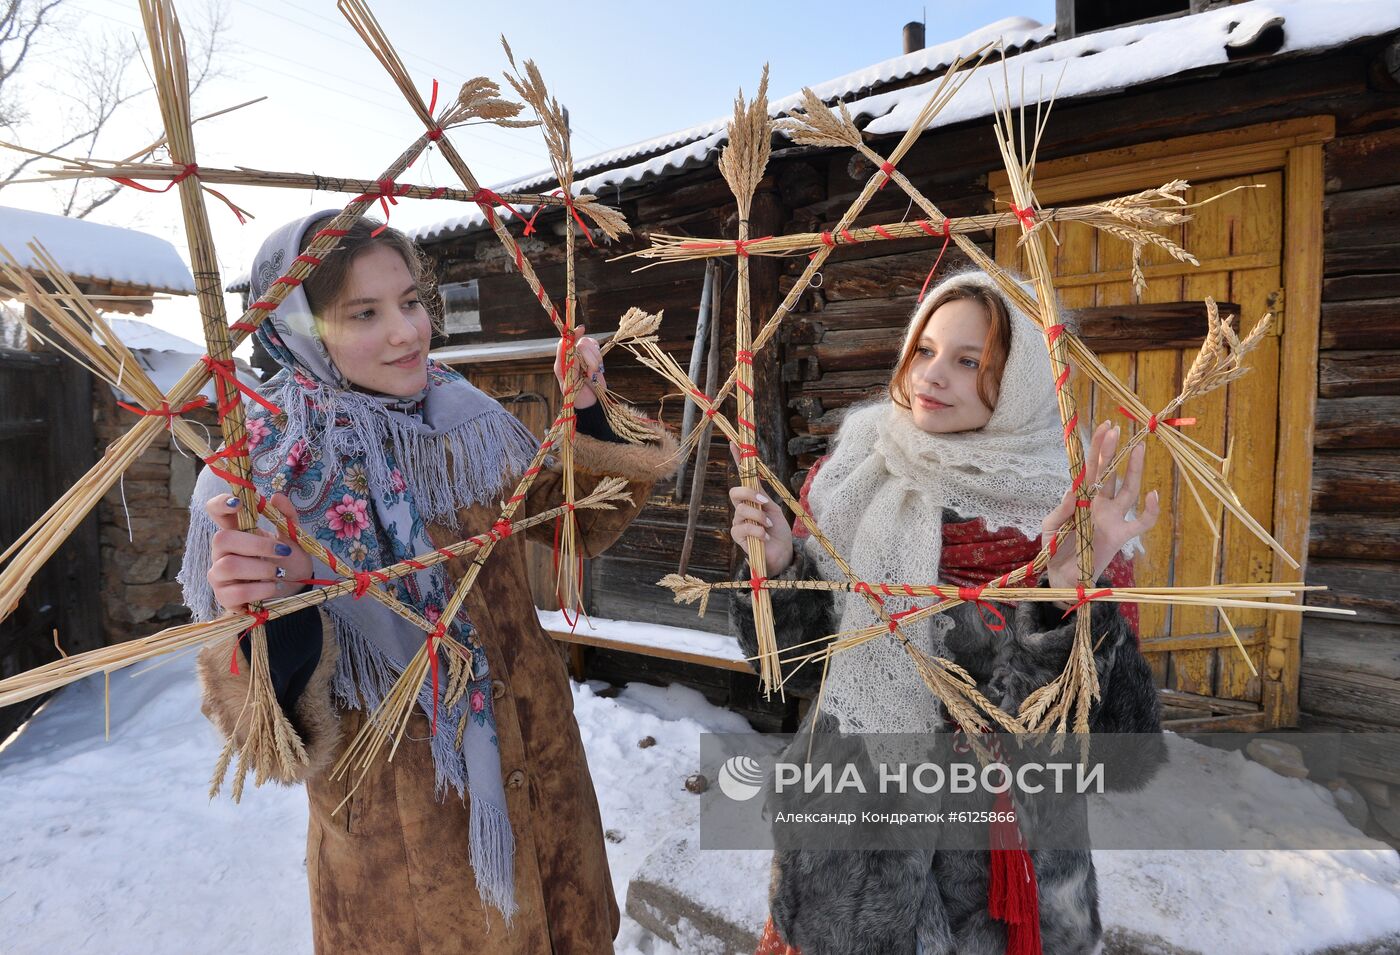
{"x": 1240, "y": 241}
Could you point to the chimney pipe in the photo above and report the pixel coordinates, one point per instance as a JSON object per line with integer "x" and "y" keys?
{"x": 913, "y": 37}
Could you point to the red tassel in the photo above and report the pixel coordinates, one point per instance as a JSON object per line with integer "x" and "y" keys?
{"x": 1013, "y": 896}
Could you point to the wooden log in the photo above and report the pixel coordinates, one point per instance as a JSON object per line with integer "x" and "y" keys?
{"x": 624, "y": 589}
{"x": 1355, "y": 536}
{"x": 1362, "y": 217}
{"x": 1353, "y": 423}
{"x": 884, "y": 276}
{"x": 1343, "y": 288}
{"x": 1371, "y": 588}
{"x": 770, "y": 403}
{"x": 1356, "y": 481}
{"x": 1361, "y": 260}
{"x": 1362, "y": 324}
{"x": 702, "y": 195}
{"x": 800, "y": 183}
{"x": 1345, "y": 374}
{"x": 1362, "y": 161}
{"x": 1351, "y": 672}
{"x": 659, "y": 543}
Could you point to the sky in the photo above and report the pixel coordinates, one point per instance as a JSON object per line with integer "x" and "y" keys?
{"x": 627, "y": 71}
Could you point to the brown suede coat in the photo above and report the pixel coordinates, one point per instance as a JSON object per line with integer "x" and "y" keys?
{"x": 390, "y": 873}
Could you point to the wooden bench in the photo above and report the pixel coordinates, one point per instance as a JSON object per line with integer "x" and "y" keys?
{"x": 652, "y": 640}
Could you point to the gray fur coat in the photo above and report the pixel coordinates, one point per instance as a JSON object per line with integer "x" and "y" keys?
{"x": 897, "y": 902}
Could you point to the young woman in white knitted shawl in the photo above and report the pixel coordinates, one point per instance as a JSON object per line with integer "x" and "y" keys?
{"x": 952, "y": 476}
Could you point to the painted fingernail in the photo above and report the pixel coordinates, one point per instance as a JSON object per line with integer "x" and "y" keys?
{"x": 231, "y": 502}
{"x": 768, "y": 521}
{"x": 762, "y": 499}
{"x": 283, "y": 550}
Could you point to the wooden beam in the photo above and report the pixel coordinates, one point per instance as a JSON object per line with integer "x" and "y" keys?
{"x": 661, "y": 653}
{"x": 1231, "y": 152}
{"x": 1302, "y": 283}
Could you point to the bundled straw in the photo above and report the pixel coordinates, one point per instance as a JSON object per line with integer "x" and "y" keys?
{"x": 568, "y": 584}
{"x": 945, "y": 89}
{"x": 1129, "y": 218}
{"x": 950, "y": 682}
{"x": 742, "y": 164}
{"x": 48, "y": 533}
{"x": 386, "y": 725}
{"x": 59, "y": 673}
{"x": 272, "y": 747}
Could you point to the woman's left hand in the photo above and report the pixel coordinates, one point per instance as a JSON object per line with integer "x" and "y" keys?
{"x": 590, "y": 358}
{"x": 1109, "y": 511}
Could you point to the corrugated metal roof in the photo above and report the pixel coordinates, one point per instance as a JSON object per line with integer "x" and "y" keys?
{"x": 698, "y": 145}
{"x": 1092, "y": 64}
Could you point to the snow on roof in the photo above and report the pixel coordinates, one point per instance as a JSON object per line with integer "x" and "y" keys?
{"x": 167, "y": 357}
{"x": 1125, "y": 57}
{"x": 696, "y": 145}
{"x": 138, "y": 336}
{"x": 1095, "y": 63}
{"x": 94, "y": 251}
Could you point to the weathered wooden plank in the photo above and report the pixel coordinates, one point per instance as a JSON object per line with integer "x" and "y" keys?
{"x": 1362, "y": 161}
{"x": 1362, "y": 216}
{"x": 1196, "y": 556}
{"x": 1361, "y": 259}
{"x": 882, "y": 276}
{"x": 1249, "y": 636}
{"x": 1342, "y": 643}
{"x": 1352, "y": 423}
{"x": 583, "y": 638}
{"x": 1371, "y": 588}
{"x": 1355, "y": 536}
{"x": 625, "y": 589}
{"x": 1345, "y": 288}
{"x": 660, "y": 544}
{"x": 1351, "y": 675}
{"x": 1351, "y": 374}
{"x": 1369, "y": 323}
{"x": 1361, "y": 481}
{"x": 1241, "y": 723}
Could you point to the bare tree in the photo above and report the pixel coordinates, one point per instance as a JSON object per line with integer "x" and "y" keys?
{"x": 90, "y": 93}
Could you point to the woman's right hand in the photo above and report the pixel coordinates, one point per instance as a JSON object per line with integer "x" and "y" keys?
{"x": 244, "y": 565}
{"x": 756, "y": 516}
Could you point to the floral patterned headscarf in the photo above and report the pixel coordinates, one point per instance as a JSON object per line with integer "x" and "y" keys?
{"x": 366, "y": 473}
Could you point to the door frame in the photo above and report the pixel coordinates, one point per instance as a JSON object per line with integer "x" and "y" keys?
{"x": 1295, "y": 148}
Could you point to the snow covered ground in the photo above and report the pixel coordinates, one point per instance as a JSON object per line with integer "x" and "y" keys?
{"x": 114, "y": 846}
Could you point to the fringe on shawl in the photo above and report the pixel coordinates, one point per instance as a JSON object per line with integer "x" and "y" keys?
{"x": 493, "y": 857}
{"x": 456, "y": 468}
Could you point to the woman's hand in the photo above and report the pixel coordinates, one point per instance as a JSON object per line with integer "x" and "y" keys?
{"x": 590, "y": 358}
{"x": 756, "y": 516}
{"x": 1109, "y": 510}
{"x": 248, "y": 566}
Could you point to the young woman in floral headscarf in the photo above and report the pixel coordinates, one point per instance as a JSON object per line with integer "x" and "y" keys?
{"x": 483, "y": 836}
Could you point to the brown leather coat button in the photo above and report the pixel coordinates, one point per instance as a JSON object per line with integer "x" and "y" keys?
{"x": 498, "y": 689}
{"x": 515, "y": 780}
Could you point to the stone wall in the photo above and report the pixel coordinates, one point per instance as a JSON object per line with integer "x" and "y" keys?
{"x": 142, "y": 521}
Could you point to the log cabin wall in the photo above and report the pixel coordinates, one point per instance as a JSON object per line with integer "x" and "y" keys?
{"x": 838, "y": 346}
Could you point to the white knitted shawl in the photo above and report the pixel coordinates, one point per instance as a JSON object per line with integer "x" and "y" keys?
{"x": 880, "y": 498}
